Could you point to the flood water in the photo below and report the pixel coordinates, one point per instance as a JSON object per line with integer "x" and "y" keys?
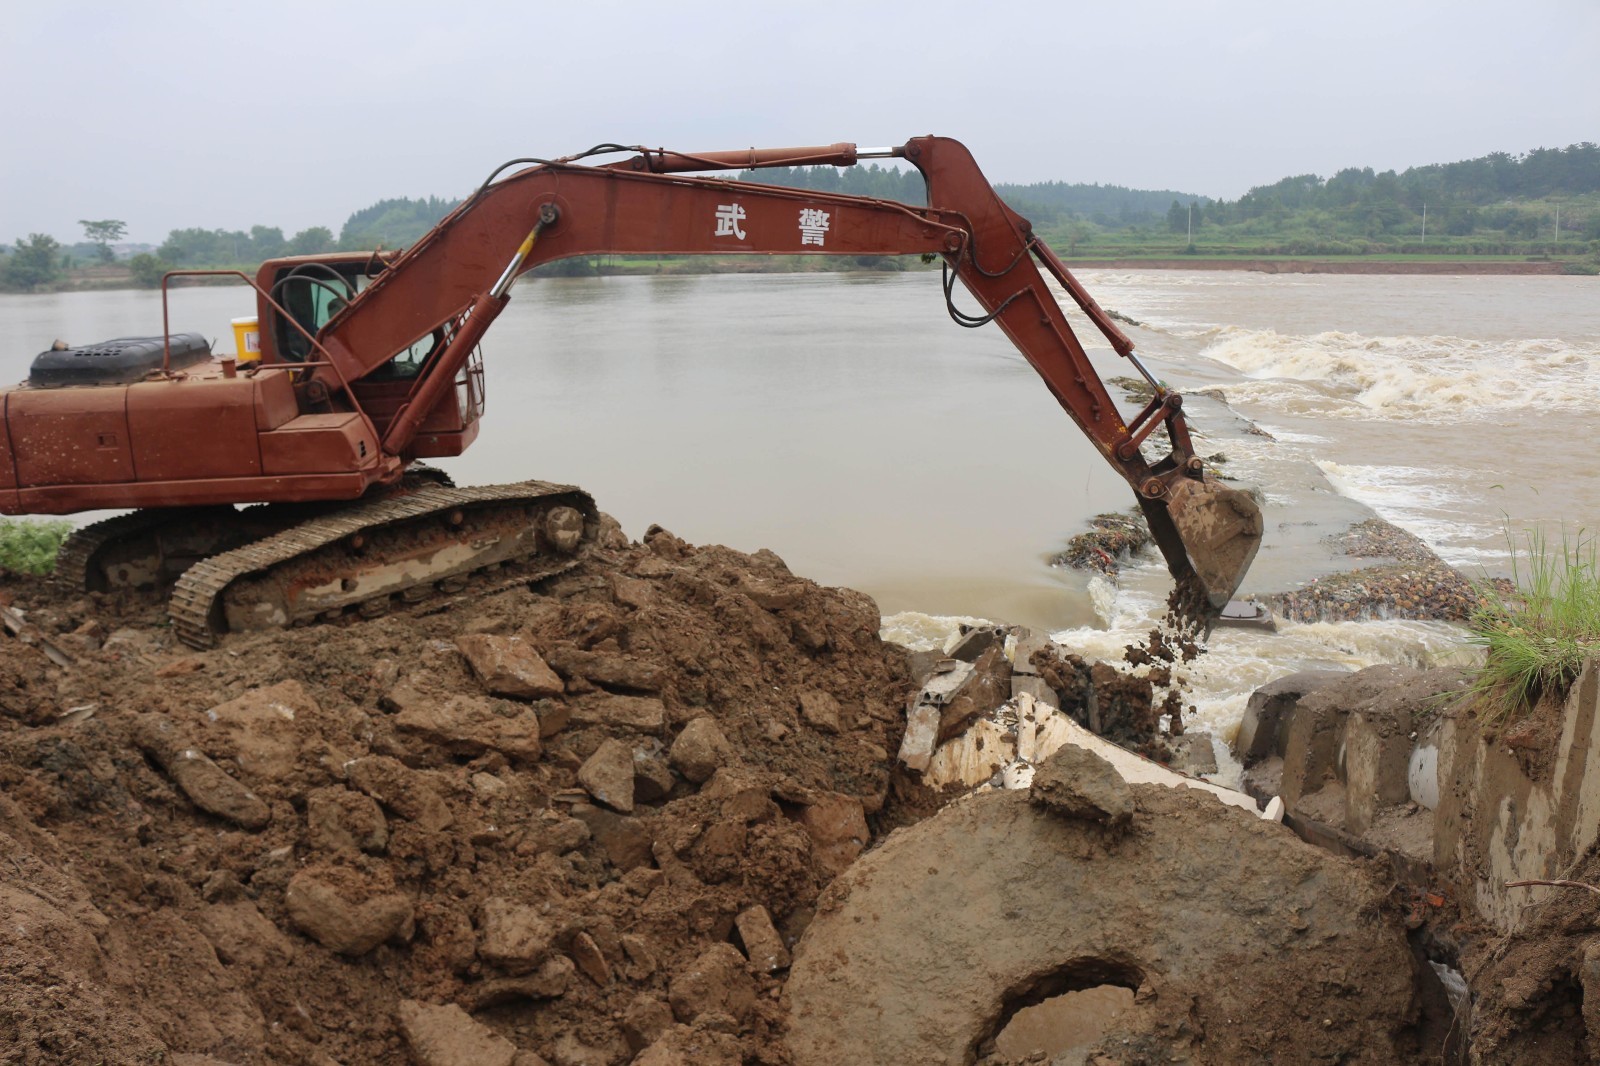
{"x": 845, "y": 423}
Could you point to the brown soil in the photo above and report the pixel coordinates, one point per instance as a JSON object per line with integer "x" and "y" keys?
{"x": 384, "y": 829}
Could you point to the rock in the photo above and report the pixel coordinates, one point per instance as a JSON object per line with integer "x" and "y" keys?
{"x": 700, "y": 750}
{"x": 837, "y": 826}
{"x": 262, "y": 728}
{"x": 345, "y": 912}
{"x": 652, "y": 779}
{"x": 717, "y": 981}
{"x": 468, "y": 725}
{"x": 509, "y": 666}
{"x": 605, "y": 669}
{"x": 608, "y": 775}
{"x": 820, "y": 711}
{"x": 242, "y": 936}
{"x": 572, "y": 1050}
{"x": 554, "y": 716}
{"x": 206, "y": 784}
{"x": 403, "y": 790}
{"x": 1076, "y": 783}
{"x": 641, "y": 960}
{"x": 682, "y": 1046}
{"x": 551, "y": 981}
{"x": 514, "y": 936}
{"x": 632, "y": 592}
{"x": 639, "y": 714}
{"x": 446, "y": 1035}
{"x": 762, "y": 944}
{"x": 644, "y": 1021}
{"x": 1261, "y": 733}
{"x": 591, "y": 962}
{"x": 341, "y": 821}
{"x": 626, "y": 841}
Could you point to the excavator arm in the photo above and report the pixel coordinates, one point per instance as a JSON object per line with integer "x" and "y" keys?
{"x": 455, "y": 280}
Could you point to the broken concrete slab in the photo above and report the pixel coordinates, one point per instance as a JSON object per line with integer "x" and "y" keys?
{"x": 976, "y": 640}
{"x": 921, "y": 736}
{"x": 1261, "y": 731}
{"x": 987, "y": 687}
{"x": 1036, "y": 687}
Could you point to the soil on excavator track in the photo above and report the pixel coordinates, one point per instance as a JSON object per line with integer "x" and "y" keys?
{"x": 543, "y": 818}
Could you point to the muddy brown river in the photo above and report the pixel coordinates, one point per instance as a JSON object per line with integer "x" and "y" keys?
{"x": 844, "y": 422}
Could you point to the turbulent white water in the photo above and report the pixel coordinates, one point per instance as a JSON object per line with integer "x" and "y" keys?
{"x": 1457, "y": 408}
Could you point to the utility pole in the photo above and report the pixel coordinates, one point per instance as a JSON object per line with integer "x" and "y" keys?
{"x": 1558, "y": 222}
{"x": 1424, "y": 222}
{"x": 1191, "y": 223}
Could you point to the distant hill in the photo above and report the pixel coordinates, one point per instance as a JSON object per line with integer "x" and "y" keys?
{"x": 393, "y": 223}
{"x": 1042, "y": 202}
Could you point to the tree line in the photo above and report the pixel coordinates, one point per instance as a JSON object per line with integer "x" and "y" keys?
{"x": 1495, "y": 204}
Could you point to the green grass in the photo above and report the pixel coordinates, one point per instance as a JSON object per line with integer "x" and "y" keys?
{"x": 1537, "y": 635}
{"x": 28, "y": 546}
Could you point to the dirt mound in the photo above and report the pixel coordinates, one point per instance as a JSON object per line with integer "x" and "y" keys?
{"x": 571, "y": 821}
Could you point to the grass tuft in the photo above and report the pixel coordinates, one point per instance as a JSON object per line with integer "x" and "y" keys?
{"x": 29, "y": 546}
{"x": 1537, "y": 634}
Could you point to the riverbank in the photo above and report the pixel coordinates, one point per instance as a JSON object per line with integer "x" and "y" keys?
{"x": 102, "y": 279}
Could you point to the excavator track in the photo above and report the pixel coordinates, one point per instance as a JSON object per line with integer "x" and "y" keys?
{"x": 143, "y": 548}
{"x": 366, "y": 557}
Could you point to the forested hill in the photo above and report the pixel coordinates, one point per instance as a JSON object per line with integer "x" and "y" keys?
{"x": 1043, "y": 202}
{"x": 1492, "y": 179}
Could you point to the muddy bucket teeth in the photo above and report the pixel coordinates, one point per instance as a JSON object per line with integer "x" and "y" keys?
{"x": 1209, "y": 534}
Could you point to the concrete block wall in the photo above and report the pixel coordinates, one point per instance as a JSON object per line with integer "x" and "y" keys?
{"x": 1385, "y": 761}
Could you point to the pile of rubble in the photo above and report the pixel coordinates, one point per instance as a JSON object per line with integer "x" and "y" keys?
{"x": 579, "y": 824}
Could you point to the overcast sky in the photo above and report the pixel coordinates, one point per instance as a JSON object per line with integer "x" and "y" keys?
{"x": 228, "y": 114}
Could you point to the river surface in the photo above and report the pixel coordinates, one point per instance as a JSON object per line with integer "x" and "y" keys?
{"x": 845, "y": 423}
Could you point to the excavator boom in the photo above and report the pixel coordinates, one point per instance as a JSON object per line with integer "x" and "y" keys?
{"x": 647, "y": 205}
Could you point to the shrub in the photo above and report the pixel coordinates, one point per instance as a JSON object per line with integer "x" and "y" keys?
{"x": 1537, "y": 634}
{"x": 29, "y": 546}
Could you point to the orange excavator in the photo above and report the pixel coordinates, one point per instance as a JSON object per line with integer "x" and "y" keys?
{"x": 369, "y": 362}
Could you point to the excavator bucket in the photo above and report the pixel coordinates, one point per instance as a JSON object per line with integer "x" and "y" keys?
{"x": 1209, "y": 534}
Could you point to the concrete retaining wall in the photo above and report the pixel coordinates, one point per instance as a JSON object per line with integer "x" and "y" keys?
{"x": 1387, "y": 760}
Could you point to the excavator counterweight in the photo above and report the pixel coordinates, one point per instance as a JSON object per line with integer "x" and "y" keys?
{"x": 369, "y": 362}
